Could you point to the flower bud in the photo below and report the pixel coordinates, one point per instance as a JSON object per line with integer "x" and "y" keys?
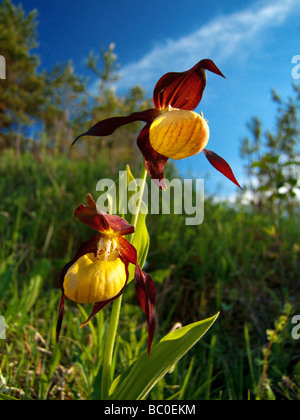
{"x": 178, "y": 134}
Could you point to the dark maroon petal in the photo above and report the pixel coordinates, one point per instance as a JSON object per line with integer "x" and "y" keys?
{"x": 94, "y": 218}
{"x": 60, "y": 316}
{"x": 127, "y": 251}
{"x": 90, "y": 216}
{"x": 96, "y": 308}
{"x": 146, "y": 294}
{"x": 183, "y": 90}
{"x": 108, "y": 126}
{"x": 88, "y": 247}
{"x": 221, "y": 165}
{"x": 154, "y": 162}
{"x": 119, "y": 225}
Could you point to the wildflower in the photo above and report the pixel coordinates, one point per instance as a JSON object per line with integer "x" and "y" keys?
{"x": 98, "y": 273}
{"x": 173, "y": 130}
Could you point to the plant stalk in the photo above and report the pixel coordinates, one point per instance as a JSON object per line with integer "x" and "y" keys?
{"x": 115, "y": 313}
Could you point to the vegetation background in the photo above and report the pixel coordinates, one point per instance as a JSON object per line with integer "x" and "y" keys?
{"x": 243, "y": 261}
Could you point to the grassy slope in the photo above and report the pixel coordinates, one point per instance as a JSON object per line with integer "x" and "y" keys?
{"x": 234, "y": 262}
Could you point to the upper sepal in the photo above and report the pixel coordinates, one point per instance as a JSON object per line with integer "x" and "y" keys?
{"x": 100, "y": 221}
{"x": 183, "y": 90}
{"x": 146, "y": 294}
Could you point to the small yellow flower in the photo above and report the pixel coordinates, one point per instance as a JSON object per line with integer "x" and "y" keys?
{"x": 98, "y": 273}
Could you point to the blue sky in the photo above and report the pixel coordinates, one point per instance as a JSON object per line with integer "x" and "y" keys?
{"x": 252, "y": 42}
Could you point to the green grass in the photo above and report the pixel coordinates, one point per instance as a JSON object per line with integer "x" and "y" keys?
{"x": 235, "y": 262}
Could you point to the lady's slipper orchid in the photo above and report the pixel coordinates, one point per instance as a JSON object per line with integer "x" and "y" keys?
{"x": 98, "y": 273}
{"x": 172, "y": 129}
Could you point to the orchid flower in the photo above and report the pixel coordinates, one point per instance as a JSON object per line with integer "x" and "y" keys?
{"x": 173, "y": 130}
{"x": 99, "y": 274}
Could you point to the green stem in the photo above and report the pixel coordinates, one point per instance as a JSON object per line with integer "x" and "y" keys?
{"x": 109, "y": 347}
{"x": 115, "y": 314}
{"x": 135, "y": 217}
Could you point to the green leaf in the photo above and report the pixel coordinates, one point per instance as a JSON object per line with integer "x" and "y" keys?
{"x": 118, "y": 197}
{"x": 5, "y": 281}
{"x": 290, "y": 163}
{"x": 4, "y": 397}
{"x": 141, "y": 241}
{"x": 124, "y": 195}
{"x": 114, "y": 199}
{"x": 271, "y": 159}
{"x": 143, "y": 375}
{"x": 261, "y": 165}
{"x": 292, "y": 181}
{"x": 34, "y": 287}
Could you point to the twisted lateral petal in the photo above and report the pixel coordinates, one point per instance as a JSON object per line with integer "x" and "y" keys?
{"x": 221, "y": 165}
{"x": 183, "y": 90}
{"x": 146, "y": 294}
{"x": 126, "y": 250}
{"x": 110, "y": 125}
{"x": 101, "y": 221}
{"x": 60, "y": 316}
{"x": 97, "y": 307}
{"x": 154, "y": 162}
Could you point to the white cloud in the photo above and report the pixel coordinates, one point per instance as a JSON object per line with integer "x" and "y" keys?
{"x": 220, "y": 38}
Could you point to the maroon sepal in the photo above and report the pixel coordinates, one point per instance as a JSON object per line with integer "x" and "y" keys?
{"x": 154, "y": 162}
{"x": 183, "y": 90}
{"x": 146, "y": 294}
{"x": 94, "y": 218}
{"x": 97, "y": 307}
{"x": 221, "y": 165}
{"x": 61, "y": 312}
{"x": 110, "y": 125}
{"x": 126, "y": 250}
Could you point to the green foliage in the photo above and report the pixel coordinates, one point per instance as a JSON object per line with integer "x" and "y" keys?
{"x": 45, "y": 110}
{"x": 276, "y": 337}
{"x": 21, "y": 94}
{"x": 65, "y": 110}
{"x": 273, "y": 159}
{"x": 236, "y": 262}
{"x": 142, "y": 376}
{"x": 242, "y": 261}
